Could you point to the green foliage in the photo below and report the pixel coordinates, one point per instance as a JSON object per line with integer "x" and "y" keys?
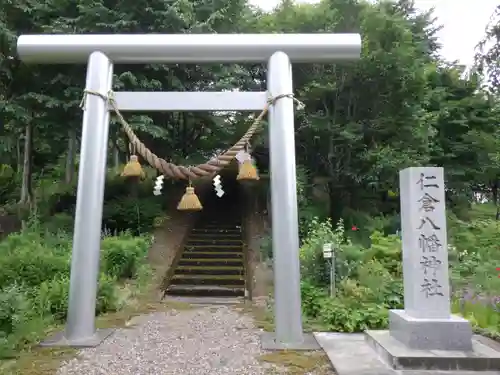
{"x": 400, "y": 105}
{"x": 52, "y": 297}
{"x": 28, "y": 261}
{"x": 60, "y": 222}
{"x": 342, "y": 314}
{"x": 346, "y": 316}
{"x": 122, "y": 256}
{"x": 369, "y": 279}
{"x": 107, "y": 294}
{"x": 488, "y": 52}
{"x": 19, "y": 321}
{"x": 313, "y": 267}
{"x": 34, "y": 283}
{"x": 9, "y": 183}
{"x": 126, "y": 207}
{"x": 474, "y": 257}
{"x": 137, "y": 215}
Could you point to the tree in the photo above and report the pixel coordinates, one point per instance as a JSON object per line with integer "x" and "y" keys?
{"x": 488, "y": 53}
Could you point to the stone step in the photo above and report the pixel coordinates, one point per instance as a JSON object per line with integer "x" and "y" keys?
{"x": 216, "y": 231}
{"x": 212, "y": 254}
{"x": 205, "y": 291}
{"x": 207, "y": 301}
{"x": 209, "y": 270}
{"x": 213, "y": 280}
{"x": 210, "y": 262}
{"x": 216, "y": 248}
{"x": 218, "y": 226}
{"x": 214, "y": 235}
{"x": 214, "y": 241}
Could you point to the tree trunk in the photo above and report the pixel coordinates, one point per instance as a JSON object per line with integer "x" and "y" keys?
{"x": 116, "y": 152}
{"x": 116, "y": 158}
{"x": 494, "y": 191}
{"x": 19, "y": 159}
{"x": 336, "y": 202}
{"x": 70, "y": 158}
{"x": 26, "y": 188}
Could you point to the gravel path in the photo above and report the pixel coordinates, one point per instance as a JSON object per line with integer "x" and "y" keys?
{"x": 213, "y": 340}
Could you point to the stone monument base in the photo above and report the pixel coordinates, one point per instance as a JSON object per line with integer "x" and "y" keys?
{"x": 454, "y": 333}
{"x": 481, "y": 357}
{"x": 378, "y": 353}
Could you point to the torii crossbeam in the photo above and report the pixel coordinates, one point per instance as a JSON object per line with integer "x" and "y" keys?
{"x": 101, "y": 52}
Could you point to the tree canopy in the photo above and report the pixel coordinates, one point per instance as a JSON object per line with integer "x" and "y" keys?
{"x": 400, "y": 105}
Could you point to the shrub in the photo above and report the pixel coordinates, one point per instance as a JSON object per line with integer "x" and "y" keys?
{"x": 348, "y": 312}
{"x": 34, "y": 283}
{"x": 60, "y": 222}
{"x": 52, "y": 297}
{"x": 368, "y": 280}
{"x": 126, "y": 206}
{"x": 19, "y": 323}
{"x": 386, "y": 250}
{"x": 15, "y": 308}
{"x": 135, "y": 215}
{"x": 31, "y": 263}
{"x": 352, "y": 316}
{"x": 9, "y": 183}
{"x": 107, "y": 295}
{"x": 311, "y": 299}
{"x": 122, "y": 256}
{"x": 313, "y": 266}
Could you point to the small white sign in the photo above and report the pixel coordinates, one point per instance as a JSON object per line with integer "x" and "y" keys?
{"x": 327, "y": 250}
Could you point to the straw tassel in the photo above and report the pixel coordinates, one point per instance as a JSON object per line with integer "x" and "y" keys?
{"x": 190, "y": 201}
{"x": 133, "y": 168}
{"x": 247, "y": 171}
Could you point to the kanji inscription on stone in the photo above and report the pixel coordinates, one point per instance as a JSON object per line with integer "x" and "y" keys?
{"x": 425, "y": 254}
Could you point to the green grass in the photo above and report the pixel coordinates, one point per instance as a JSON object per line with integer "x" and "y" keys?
{"x": 483, "y": 211}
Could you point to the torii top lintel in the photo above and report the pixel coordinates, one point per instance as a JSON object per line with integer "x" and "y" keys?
{"x": 187, "y": 48}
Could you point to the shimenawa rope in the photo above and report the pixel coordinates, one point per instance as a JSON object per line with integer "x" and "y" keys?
{"x": 171, "y": 170}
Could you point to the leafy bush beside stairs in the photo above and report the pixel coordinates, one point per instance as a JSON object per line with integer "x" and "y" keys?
{"x": 34, "y": 282}
{"x": 369, "y": 277}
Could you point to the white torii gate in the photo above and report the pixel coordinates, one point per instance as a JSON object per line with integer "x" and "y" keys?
{"x": 101, "y": 52}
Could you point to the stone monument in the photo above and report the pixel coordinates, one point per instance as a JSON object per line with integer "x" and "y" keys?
{"x": 425, "y": 335}
{"x": 426, "y": 321}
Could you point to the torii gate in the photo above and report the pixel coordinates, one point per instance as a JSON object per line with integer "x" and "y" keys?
{"x": 101, "y": 52}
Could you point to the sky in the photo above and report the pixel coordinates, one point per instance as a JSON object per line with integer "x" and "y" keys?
{"x": 464, "y": 22}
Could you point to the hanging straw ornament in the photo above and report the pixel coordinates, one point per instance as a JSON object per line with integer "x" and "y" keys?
{"x": 190, "y": 201}
{"x": 247, "y": 170}
{"x": 133, "y": 168}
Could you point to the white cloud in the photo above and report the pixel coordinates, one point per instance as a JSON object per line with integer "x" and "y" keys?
{"x": 464, "y": 23}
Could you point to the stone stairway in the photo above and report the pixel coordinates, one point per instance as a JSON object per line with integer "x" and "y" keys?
{"x": 212, "y": 263}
